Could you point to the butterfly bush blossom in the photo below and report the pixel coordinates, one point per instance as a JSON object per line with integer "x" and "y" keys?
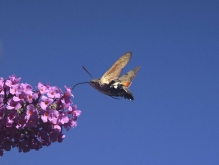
{"x": 31, "y": 119}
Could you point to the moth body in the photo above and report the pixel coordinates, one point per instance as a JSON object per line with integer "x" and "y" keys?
{"x": 113, "y": 85}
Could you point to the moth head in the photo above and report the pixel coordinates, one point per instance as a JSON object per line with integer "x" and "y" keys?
{"x": 94, "y": 83}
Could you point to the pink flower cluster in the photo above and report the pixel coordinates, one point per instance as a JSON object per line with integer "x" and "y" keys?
{"x": 30, "y": 119}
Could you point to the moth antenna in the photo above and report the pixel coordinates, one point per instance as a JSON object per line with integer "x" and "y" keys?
{"x": 79, "y": 84}
{"x": 87, "y": 71}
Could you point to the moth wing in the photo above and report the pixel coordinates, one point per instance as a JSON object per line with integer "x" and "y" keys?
{"x": 127, "y": 78}
{"x": 115, "y": 70}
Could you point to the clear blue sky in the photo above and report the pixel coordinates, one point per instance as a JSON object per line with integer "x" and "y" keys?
{"x": 174, "y": 119}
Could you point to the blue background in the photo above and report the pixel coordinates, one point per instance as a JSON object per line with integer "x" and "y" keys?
{"x": 174, "y": 118}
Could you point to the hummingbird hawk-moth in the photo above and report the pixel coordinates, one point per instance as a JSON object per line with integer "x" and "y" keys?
{"x": 113, "y": 85}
